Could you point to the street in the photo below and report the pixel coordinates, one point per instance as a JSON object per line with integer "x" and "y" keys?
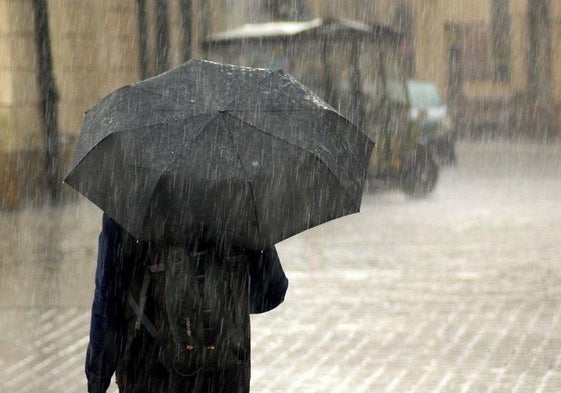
{"x": 458, "y": 292}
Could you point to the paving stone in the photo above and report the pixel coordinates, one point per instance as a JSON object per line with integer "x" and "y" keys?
{"x": 458, "y": 292}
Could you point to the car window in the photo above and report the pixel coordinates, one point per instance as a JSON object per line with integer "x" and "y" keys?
{"x": 423, "y": 95}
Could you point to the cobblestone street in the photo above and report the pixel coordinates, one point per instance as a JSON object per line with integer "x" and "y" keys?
{"x": 458, "y": 292}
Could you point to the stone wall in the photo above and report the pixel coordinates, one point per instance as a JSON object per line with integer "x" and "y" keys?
{"x": 19, "y": 113}
{"x": 94, "y": 45}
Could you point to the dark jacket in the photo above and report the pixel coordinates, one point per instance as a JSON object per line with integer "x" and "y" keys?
{"x": 267, "y": 289}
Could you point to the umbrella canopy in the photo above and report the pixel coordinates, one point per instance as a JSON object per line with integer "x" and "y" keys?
{"x": 242, "y": 153}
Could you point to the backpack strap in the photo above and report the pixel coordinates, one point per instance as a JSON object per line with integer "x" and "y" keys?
{"x": 209, "y": 334}
{"x": 138, "y": 308}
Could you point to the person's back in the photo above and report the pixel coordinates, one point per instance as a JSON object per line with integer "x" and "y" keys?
{"x": 199, "y": 289}
{"x": 193, "y": 301}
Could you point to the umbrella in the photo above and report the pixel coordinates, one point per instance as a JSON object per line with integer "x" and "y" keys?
{"x": 242, "y": 153}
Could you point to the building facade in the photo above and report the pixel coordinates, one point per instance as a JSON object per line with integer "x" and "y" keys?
{"x": 498, "y": 61}
{"x": 481, "y": 53}
{"x": 94, "y": 49}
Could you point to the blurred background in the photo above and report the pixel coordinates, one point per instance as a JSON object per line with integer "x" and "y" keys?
{"x": 495, "y": 61}
{"x": 448, "y": 280}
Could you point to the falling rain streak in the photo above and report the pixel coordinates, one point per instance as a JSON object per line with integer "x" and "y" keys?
{"x": 447, "y": 279}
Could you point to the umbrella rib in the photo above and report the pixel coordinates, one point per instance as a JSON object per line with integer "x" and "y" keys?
{"x": 245, "y": 173}
{"x": 279, "y": 110}
{"x": 295, "y": 145}
{"x": 142, "y": 127}
{"x": 160, "y": 123}
{"x": 165, "y": 170}
{"x": 232, "y": 115}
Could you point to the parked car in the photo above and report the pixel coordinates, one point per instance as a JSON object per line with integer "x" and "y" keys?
{"x": 356, "y": 68}
{"x": 431, "y": 115}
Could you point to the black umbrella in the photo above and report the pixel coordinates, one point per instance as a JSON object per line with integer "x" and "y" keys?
{"x": 244, "y": 153}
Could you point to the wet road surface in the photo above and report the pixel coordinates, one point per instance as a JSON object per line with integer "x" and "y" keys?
{"x": 458, "y": 292}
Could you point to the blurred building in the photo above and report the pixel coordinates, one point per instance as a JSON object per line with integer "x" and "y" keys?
{"x": 498, "y": 60}
{"x": 94, "y": 47}
{"x": 98, "y": 46}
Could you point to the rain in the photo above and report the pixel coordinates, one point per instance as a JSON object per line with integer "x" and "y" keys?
{"x": 446, "y": 280}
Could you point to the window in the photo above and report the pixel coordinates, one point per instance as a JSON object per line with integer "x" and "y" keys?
{"x": 482, "y": 49}
{"x": 501, "y": 40}
{"x": 476, "y": 53}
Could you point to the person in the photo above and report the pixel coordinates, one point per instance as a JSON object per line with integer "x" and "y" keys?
{"x": 112, "y": 349}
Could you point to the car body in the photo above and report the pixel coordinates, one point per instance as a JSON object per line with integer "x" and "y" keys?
{"x": 431, "y": 115}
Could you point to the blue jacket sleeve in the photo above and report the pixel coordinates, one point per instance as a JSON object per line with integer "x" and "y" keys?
{"x": 100, "y": 357}
{"x": 268, "y": 283}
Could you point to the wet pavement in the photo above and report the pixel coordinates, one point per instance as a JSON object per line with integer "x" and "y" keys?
{"x": 459, "y": 292}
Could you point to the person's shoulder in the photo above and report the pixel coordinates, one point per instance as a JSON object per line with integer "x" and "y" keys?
{"x": 109, "y": 226}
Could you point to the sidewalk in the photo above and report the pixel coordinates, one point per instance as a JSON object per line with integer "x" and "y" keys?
{"x": 460, "y": 292}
